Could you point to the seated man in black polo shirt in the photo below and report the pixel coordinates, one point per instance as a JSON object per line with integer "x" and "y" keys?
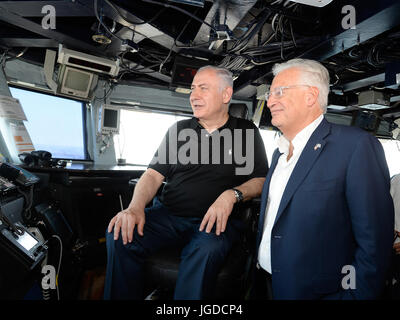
{"x": 209, "y": 163}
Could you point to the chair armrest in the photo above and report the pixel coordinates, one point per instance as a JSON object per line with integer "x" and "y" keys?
{"x": 248, "y": 212}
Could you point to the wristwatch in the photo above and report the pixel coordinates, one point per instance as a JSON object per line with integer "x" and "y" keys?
{"x": 238, "y": 195}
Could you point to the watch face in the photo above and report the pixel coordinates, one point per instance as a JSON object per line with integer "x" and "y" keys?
{"x": 238, "y": 195}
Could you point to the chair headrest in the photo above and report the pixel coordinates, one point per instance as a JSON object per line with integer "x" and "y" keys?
{"x": 238, "y": 110}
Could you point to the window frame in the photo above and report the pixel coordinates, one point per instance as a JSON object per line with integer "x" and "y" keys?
{"x": 84, "y": 118}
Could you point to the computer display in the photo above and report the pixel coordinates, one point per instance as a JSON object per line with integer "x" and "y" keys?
{"x": 76, "y": 82}
{"x": 109, "y": 119}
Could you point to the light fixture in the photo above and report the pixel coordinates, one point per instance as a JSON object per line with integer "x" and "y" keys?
{"x": 101, "y": 38}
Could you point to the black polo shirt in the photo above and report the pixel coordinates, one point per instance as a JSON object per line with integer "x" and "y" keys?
{"x": 199, "y": 166}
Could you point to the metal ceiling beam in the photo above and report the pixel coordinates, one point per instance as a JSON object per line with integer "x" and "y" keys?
{"x": 382, "y": 20}
{"x": 151, "y": 73}
{"x": 34, "y": 8}
{"x": 29, "y": 42}
{"x": 250, "y": 76}
{"x": 363, "y": 82}
{"x": 143, "y": 31}
{"x": 21, "y": 22}
{"x": 12, "y": 13}
{"x": 234, "y": 13}
{"x": 376, "y": 17}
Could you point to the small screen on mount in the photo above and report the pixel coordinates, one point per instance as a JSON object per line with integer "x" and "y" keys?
{"x": 77, "y": 80}
{"x": 110, "y": 118}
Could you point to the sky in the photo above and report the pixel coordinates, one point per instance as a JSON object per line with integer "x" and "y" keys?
{"x": 53, "y": 122}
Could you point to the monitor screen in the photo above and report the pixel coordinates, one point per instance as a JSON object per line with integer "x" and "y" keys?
{"x": 184, "y": 75}
{"x": 184, "y": 70}
{"x": 110, "y": 118}
{"x": 77, "y": 80}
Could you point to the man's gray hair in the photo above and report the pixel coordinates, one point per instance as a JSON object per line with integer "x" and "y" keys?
{"x": 313, "y": 74}
{"x": 224, "y": 74}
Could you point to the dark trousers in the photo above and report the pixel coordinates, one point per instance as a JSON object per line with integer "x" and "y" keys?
{"x": 262, "y": 287}
{"x": 201, "y": 258}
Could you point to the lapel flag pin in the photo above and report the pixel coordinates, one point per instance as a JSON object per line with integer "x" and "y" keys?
{"x": 318, "y": 145}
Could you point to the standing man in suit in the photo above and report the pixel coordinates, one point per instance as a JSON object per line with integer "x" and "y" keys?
{"x": 326, "y": 222}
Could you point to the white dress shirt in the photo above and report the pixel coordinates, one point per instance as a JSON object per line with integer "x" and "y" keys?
{"x": 279, "y": 180}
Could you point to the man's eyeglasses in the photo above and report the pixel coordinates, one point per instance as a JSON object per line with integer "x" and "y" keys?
{"x": 278, "y": 91}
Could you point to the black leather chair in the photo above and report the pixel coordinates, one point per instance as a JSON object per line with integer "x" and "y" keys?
{"x": 161, "y": 268}
{"x": 232, "y": 281}
{"x": 238, "y": 110}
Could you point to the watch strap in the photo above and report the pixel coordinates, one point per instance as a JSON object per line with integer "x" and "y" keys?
{"x": 238, "y": 195}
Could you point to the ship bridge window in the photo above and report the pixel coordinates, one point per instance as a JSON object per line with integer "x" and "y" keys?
{"x": 392, "y": 154}
{"x": 141, "y": 133}
{"x": 391, "y": 148}
{"x": 54, "y": 124}
{"x": 270, "y": 138}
